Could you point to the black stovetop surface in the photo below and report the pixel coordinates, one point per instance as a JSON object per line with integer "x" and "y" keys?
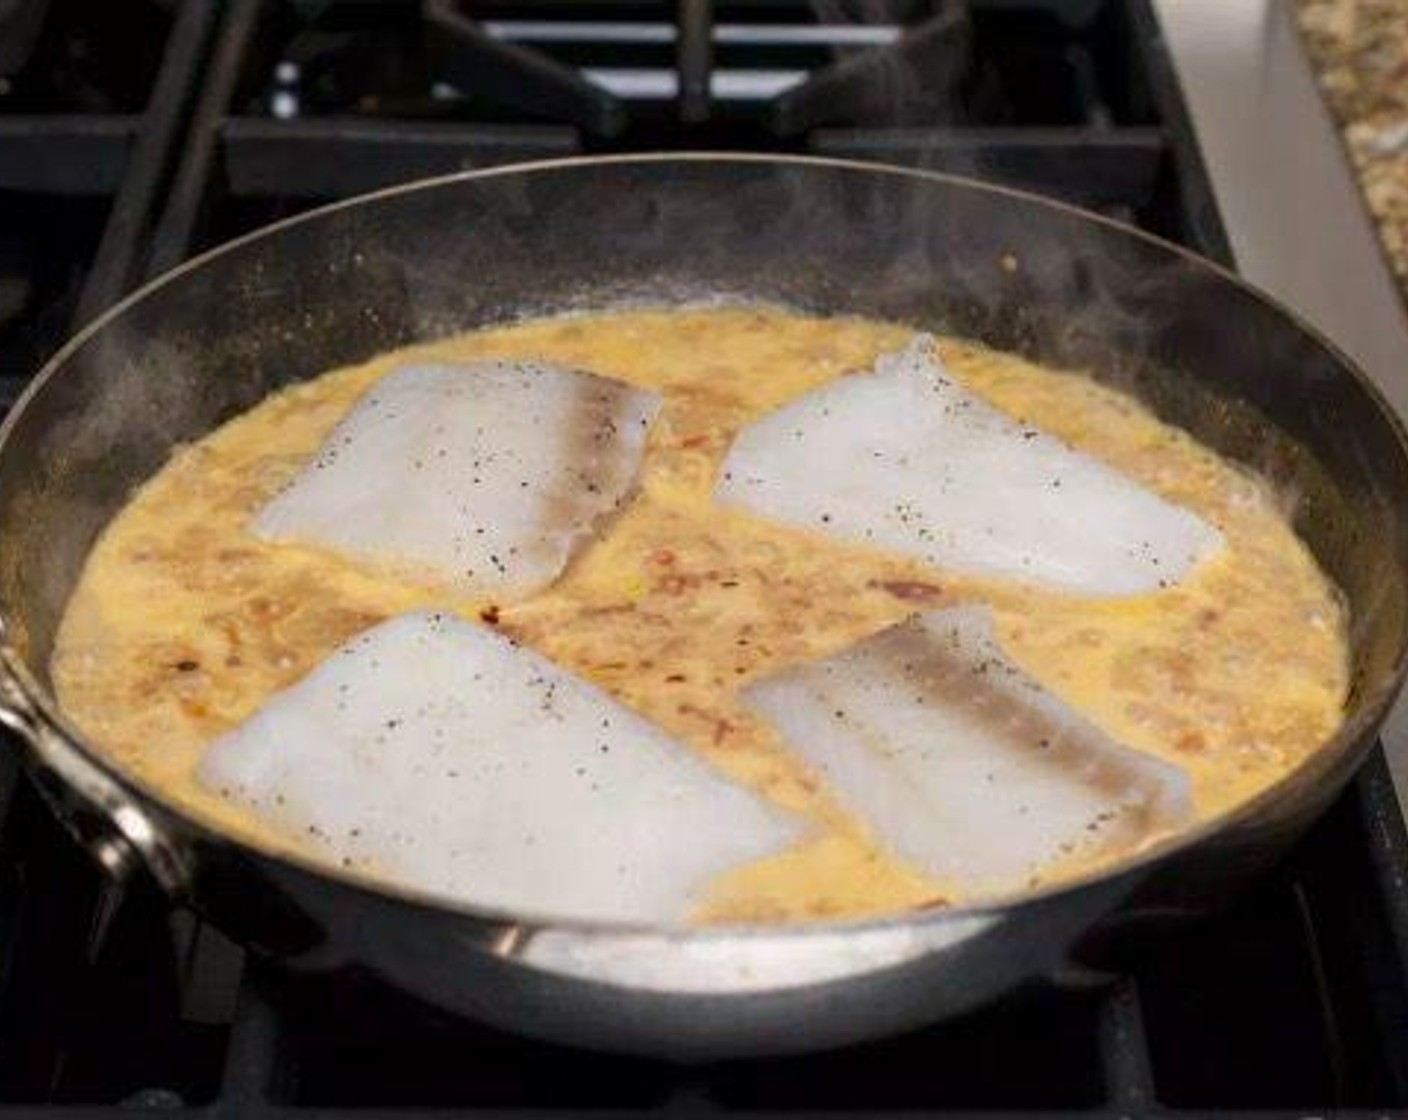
{"x": 132, "y": 135}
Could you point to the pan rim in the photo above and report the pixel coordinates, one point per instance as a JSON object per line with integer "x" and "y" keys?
{"x": 1339, "y": 755}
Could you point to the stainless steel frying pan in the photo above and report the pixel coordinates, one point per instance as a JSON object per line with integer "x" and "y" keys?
{"x": 335, "y": 286}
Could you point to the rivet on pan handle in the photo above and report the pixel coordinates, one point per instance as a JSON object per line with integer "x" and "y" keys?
{"x": 104, "y": 817}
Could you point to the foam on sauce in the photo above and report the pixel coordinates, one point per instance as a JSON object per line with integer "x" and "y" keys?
{"x": 184, "y": 623}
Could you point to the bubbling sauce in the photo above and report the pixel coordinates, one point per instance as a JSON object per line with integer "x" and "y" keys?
{"x": 184, "y": 623}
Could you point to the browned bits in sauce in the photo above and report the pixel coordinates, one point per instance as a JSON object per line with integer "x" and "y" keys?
{"x": 912, "y": 590}
{"x": 1191, "y": 741}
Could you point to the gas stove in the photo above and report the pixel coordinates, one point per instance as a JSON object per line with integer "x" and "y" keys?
{"x": 132, "y": 136}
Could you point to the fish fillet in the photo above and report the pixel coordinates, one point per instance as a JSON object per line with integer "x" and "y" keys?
{"x": 443, "y": 756}
{"x": 906, "y": 459}
{"x": 483, "y": 476}
{"x": 961, "y": 763}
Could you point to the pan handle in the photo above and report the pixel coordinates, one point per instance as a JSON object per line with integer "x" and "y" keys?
{"x": 119, "y": 832}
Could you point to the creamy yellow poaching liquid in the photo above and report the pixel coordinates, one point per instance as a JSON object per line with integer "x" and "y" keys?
{"x": 183, "y": 623}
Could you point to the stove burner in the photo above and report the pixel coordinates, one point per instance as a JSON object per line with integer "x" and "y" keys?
{"x": 471, "y": 57}
{"x": 626, "y": 75}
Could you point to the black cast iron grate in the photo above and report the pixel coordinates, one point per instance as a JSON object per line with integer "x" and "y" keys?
{"x": 1293, "y": 1002}
{"x": 91, "y": 101}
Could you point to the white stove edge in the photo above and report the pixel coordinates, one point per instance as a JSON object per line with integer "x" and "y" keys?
{"x": 1291, "y": 204}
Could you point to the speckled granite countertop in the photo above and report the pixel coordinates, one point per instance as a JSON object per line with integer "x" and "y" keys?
{"x": 1360, "y": 51}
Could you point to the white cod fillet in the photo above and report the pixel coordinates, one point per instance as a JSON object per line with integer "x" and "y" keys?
{"x": 442, "y": 756}
{"x": 482, "y": 475}
{"x": 960, "y": 762}
{"x": 907, "y": 459}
